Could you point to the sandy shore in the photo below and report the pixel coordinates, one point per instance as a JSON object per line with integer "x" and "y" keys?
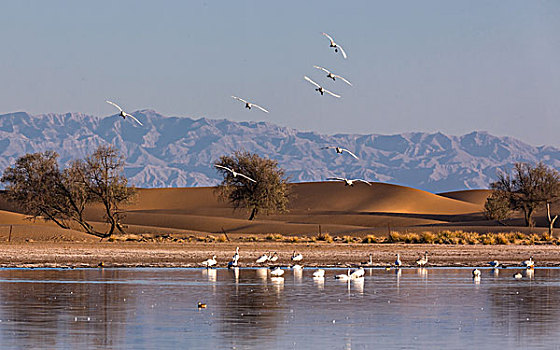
{"x": 130, "y": 254}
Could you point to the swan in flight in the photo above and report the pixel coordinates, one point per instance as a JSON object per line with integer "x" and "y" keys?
{"x": 319, "y": 273}
{"x": 336, "y": 46}
{"x": 276, "y": 272}
{"x": 332, "y": 75}
{"x": 210, "y": 262}
{"x": 398, "y": 262}
{"x": 528, "y": 263}
{"x": 495, "y": 264}
{"x": 343, "y": 277}
{"x": 234, "y": 173}
{"x": 250, "y": 105}
{"x": 319, "y": 88}
{"x": 235, "y": 259}
{"x": 340, "y": 150}
{"x": 347, "y": 181}
{"x": 296, "y": 257}
{"x": 123, "y": 114}
{"x": 262, "y": 259}
{"x": 423, "y": 260}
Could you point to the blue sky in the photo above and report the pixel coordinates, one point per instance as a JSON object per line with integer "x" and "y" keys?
{"x": 445, "y": 66}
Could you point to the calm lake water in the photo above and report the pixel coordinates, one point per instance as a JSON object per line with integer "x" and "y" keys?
{"x": 157, "y": 308}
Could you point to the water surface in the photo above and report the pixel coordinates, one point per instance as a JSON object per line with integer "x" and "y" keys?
{"x": 157, "y": 308}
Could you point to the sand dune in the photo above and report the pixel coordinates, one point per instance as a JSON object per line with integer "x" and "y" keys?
{"x": 337, "y": 208}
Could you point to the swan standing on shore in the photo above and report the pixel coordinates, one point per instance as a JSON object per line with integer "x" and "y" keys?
{"x": 123, "y": 114}
{"x": 262, "y": 259}
{"x": 235, "y": 259}
{"x": 336, "y": 46}
{"x": 319, "y": 88}
{"x": 398, "y": 262}
{"x": 332, "y": 75}
{"x": 369, "y": 262}
{"x": 210, "y": 262}
{"x": 273, "y": 257}
{"x": 233, "y": 172}
{"x": 423, "y": 260}
{"x": 348, "y": 182}
{"x": 250, "y": 105}
{"x": 530, "y": 264}
{"x": 297, "y": 257}
{"x": 340, "y": 150}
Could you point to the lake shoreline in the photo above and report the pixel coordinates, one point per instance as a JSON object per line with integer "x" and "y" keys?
{"x": 147, "y": 254}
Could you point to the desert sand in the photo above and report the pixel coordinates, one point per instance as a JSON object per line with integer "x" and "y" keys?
{"x": 326, "y": 207}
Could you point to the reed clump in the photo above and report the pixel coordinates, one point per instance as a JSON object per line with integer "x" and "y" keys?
{"x": 462, "y": 237}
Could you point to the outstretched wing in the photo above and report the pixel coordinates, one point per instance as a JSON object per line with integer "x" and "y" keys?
{"x": 328, "y": 36}
{"x": 133, "y": 118}
{"x": 114, "y": 104}
{"x": 336, "y": 178}
{"x": 323, "y": 69}
{"x": 352, "y": 154}
{"x": 311, "y": 81}
{"x": 259, "y": 107}
{"x": 328, "y": 147}
{"x": 342, "y": 51}
{"x": 239, "y": 99}
{"x": 364, "y": 181}
{"x": 223, "y": 167}
{"x": 332, "y": 94}
{"x": 247, "y": 177}
{"x": 341, "y": 78}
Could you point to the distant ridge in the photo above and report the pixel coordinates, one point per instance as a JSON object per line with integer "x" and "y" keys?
{"x": 179, "y": 151}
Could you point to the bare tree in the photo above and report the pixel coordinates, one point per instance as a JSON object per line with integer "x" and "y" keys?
{"x": 104, "y": 182}
{"x": 33, "y": 183}
{"x": 267, "y": 194}
{"x": 529, "y": 188}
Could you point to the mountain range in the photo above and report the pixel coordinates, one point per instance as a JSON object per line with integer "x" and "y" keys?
{"x": 180, "y": 151}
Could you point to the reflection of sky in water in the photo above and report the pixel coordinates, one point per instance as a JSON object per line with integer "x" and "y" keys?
{"x": 157, "y": 308}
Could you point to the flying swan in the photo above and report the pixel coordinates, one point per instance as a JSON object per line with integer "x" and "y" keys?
{"x": 123, "y": 114}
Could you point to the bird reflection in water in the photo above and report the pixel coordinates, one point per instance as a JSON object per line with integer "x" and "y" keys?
{"x": 529, "y": 273}
{"x": 422, "y": 272}
{"x": 496, "y": 272}
{"x": 358, "y": 285}
{"x": 277, "y": 284}
{"x": 262, "y": 273}
{"x": 211, "y": 274}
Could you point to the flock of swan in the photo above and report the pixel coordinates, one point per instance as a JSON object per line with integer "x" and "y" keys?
{"x": 249, "y": 105}
{"x": 351, "y": 274}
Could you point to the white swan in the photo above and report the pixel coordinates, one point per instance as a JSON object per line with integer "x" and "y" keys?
{"x": 423, "y": 260}
{"x": 359, "y": 273}
{"x": 343, "y": 277}
{"x": 297, "y": 257}
{"x": 369, "y": 262}
{"x": 235, "y": 259}
{"x": 123, "y": 114}
{"x": 348, "y": 182}
{"x": 273, "y": 257}
{"x": 494, "y": 264}
{"x": 476, "y": 273}
{"x": 340, "y": 150}
{"x": 319, "y": 88}
{"x": 233, "y": 172}
{"x": 210, "y": 262}
{"x": 249, "y": 105}
{"x": 276, "y": 272}
{"x": 320, "y": 273}
{"x": 398, "y": 262}
{"x": 336, "y": 46}
{"x": 528, "y": 263}
{"x": 332, "y": 75}
{"x": 262, "y": 259}
{"x": 518, "y": 276}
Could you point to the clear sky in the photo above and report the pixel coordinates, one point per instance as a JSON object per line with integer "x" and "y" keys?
{"x": 450, "y": 66}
